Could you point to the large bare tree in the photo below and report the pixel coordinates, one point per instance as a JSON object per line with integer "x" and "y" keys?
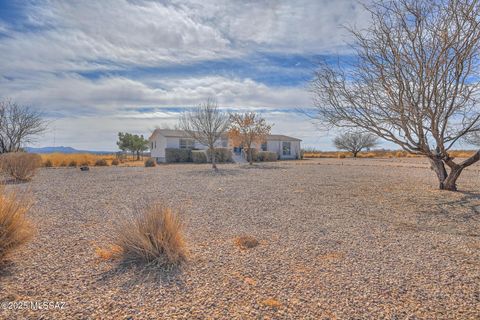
{"x": 414, "y": 80}
{"x": 248, "y": 129}
{"x": 206, "y": 124}
{"x": 19, "y": 125}
{"x": 355, "y": 142}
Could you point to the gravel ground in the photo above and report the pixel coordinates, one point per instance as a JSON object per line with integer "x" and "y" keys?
{"x": 339, "y": 239}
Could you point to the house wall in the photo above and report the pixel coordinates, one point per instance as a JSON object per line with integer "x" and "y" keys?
{"x": 276, "y": 146}
{"x": 163, "y": 142}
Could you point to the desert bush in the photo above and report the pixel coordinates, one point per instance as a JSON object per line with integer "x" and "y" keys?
{"x": 150, "y": 162}
{"x": 246, "y": 242}
{"x": 15, "y": 229}
{"x": 101, "y": 163}
{"x": 153, "y": 236}
{"x": 85, "y": 163}
{"x": 341, "y": 156}
{"x": 178, "y": 155}
{"x": 48, "y": 163}
{"x": 267, "y": 156}
{"x": 199, "y": 156}
{"x": 115, "y": 162}
{"x": 20, "y": 165}
{"x": 63, "y": 164}
{"x": 72, "y": 163}
{"x": 222, "y": 155}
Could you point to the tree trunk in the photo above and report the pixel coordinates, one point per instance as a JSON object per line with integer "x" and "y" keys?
{"x": 355, "y": 154}
{"x": 448, "y": 181}
{"x": 138, "y": 155}
{"x": 250, "y": 160}
{"x": 438, "y": 166}
{"x": 212, "y": 155}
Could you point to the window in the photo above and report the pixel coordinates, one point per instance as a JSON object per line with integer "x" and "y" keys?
{"x": 224, "y": 143}
{"x": 264, "y": 146}
{"x": 187, "y": 144}
{"x": 286, "y": 148}
{"x": 151, "y": 145}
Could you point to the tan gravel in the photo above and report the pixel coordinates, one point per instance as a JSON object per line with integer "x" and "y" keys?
{"x": 338, "y": 239}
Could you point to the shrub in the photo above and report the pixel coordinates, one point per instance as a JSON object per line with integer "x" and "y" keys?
{"x": 341, "y": 156}
{"x": 246, "y": 242}
{"x": 150, "y": 162}
{"x": 15, "y": 229}
{"x": 20, "y": 165}
{"x": 48, "y": 163}
{"x": 199, "y": 156}
{"x": 85, "y": 163}
{"x": 178, "y": 155}
{"x": 101, "y": 163}
{"x": 153, "y": 236}
{"x": 267, "y": 156}
{"x": 222, "y": 155}
{"x": 72, "y": 163}
{"x": 115, "y": 162}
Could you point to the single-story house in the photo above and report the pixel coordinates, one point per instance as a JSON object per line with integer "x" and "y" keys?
{"x": 286, "y": 147}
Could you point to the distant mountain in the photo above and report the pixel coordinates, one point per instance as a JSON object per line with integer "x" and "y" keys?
{"x": 62, "y": 149}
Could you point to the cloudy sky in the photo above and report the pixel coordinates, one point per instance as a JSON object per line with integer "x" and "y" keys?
{"x": 98, "y": 67}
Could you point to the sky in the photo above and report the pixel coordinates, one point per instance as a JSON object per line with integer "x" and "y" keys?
{"x": 94, "y": 68}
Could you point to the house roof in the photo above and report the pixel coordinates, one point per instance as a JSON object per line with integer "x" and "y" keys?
{"x": 281, "y": 137}
{"x": 183, "y": 134}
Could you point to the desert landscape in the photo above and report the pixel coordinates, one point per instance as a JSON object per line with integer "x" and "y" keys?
{"x": 337, "y": 239}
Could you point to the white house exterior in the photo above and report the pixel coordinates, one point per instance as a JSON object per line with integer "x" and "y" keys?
{"x": 285, "y": 147}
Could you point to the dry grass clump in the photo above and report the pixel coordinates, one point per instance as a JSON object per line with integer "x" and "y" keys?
{"x": 101, "y": 163}
{"x": 150, "y": 162}
{"x": 246, "y": 242}
{"x": 115, "y": 162}
{"x": 48, "y": 163}
{"x": 72, "y": 163}
{"x": 15, "y": 229}
{"x": 20, "y": 165}
{"x": 153, "y": 236}
{"x": 272, "y": 303}
{"x": 114, "y": 252}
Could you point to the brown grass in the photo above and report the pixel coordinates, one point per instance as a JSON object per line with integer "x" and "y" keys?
{"x": 154, "y": 236}
{"x": 107, "y": 254}
{"x": 101, "y": 163}
{"x": 20, "y": 165}
{"x": 15, "y": 229}
{"x": 379, "y": 154}
{"x": 246, "y": 242}
{"x": 272, "y": 303}
{"x": 87, "y": 159}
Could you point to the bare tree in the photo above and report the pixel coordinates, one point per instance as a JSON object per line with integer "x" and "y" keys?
{"x": 355, "y": 142}
{"x": 18, "y": 126}
{"x": 206, "y": 124}
{"x": 248, "y": 129}
{"x": 414, "y": 80}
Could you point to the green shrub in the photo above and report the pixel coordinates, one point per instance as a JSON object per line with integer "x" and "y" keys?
{"x": 267, "y": 156}
{"x": 178, "y": 155}
{"x": 72, "y": 163}
{"x": 115, "y": 162}
{"x": 199, "y": 156}
{"x": 222, "y": 155}
{"x": 101, "y": 163}
{"x": 150, "y": 162}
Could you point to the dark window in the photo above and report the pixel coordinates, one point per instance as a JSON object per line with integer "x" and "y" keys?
{"x": 187, "y": 144}
{"x": 264, "y": 146}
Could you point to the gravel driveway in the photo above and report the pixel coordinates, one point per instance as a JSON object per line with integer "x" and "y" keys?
{"x": 339, "y": 239}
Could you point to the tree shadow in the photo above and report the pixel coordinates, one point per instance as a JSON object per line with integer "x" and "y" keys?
{"x": 261, "y": 167}
{"x": 11, "y": 181}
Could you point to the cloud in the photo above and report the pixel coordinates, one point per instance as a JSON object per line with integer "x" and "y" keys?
{"x": 83, "y": 62}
